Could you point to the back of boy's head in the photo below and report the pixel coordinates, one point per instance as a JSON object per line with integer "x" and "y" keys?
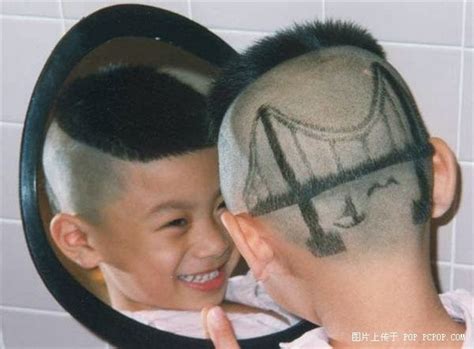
{"x": 325, "y": 142}
{"x": 121, "y": 114}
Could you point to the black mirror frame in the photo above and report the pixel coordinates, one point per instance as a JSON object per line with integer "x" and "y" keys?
{"x": 86, "y": 35}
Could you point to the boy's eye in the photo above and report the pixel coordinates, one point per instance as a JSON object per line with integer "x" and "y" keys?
{"x": 180, "y": 222}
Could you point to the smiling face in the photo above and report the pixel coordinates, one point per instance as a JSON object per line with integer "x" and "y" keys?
{"x": 161, "y": 243}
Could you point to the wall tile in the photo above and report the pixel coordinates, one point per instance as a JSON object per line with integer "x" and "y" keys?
{"x": 464, "y": 278}
{"x": 32, "y": 8}
{"x": 469, "y": 32}
{"x": 432, "y": 73}
{"x": 21, "y": 284}
{"x": 238, "y": 40}
{"x": 2, "y": 342}
{"x": 433, "y": 76}
{"x": 36, "y": 330}
{"x": 404, "y": 21}
{"x": 442, "y": 277}
{"x": 464, "y": 234}
{"x": 254, "y": 15}
{"x": 69, "y": 23}
{"x": 466, "y": 151}
{"x": 9, "y": 163}
{"x": 26, "y": 45}
{"x": 79, "y": 9}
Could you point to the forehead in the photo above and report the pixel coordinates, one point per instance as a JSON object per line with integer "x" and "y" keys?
{"x": 171, "y": 173}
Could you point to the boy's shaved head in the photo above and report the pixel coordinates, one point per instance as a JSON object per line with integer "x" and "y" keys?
{"x": 120, "y": 114}
{"x": 79, "y": 178}
{"x": 308, "y": 145}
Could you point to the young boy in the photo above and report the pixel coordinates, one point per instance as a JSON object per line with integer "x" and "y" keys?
{"x": 332, "y": 181}
{"x": 133, "y": 183}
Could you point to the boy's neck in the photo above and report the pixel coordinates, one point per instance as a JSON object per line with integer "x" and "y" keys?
{"x": 384, "y": 302}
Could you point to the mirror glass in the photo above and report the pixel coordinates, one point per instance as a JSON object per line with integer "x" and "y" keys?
{"x": 164, "y": 43}
{"x": 118, "y": 52}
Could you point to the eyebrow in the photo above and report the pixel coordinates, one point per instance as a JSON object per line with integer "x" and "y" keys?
{"x": 176, "y": 205}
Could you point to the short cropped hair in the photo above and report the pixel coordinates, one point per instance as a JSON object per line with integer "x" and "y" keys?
{"x": 308, "y": 142}
{"x": 271, "y": 51}
{"x": 134, "y": 113}
{"x": 121, "y": 113}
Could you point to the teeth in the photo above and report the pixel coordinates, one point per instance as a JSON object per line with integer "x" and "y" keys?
{"x": 199, "y": 278}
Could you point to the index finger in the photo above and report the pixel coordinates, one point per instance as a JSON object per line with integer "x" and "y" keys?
{"x": 220, "y": 329}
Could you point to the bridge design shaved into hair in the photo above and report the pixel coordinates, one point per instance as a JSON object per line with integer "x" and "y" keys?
{"x": 392, "y": 111}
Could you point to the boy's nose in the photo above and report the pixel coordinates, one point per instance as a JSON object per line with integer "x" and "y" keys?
{"x": 212, "y": 241}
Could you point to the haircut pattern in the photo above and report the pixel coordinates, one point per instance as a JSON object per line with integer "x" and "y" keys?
{"x": 289, "y": 178}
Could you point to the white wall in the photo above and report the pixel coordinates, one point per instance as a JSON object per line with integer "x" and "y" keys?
{"x": 431, "y": 43}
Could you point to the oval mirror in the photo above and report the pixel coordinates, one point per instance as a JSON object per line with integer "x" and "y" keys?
{"x": 123, "y": 35}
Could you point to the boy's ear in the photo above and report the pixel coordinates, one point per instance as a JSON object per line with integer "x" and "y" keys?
{"x": 444, "y": 177}
{"x": 71, "y": 235}
{"x": 248, "y": 239}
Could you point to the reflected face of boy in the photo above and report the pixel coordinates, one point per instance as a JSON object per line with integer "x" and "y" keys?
{"x": 161, "y": 243}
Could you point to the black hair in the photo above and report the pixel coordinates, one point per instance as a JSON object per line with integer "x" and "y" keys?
{"x": 269, "y": 52}
{"x": 134, "y": 113}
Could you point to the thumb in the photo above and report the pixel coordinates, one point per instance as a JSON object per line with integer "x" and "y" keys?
{"x": 219, "y": 329}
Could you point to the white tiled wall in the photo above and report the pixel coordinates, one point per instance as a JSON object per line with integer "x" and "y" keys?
{"x": 430, "y": 42}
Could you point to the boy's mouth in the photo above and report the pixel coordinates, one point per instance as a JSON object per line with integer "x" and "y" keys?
{"x": 208, "y": 281}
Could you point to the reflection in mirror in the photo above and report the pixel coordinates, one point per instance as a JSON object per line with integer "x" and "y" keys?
{"x": 129, "y": 193}
{"x": 124, "y": 51}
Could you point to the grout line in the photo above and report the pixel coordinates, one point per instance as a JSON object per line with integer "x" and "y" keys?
{"x": 10, "y": 220}
{"x": 190, "y": 10}
{"x": 35, "y": 311}
{"x": 461, "y": 80}
{"x": 11, "y": 123}
{"x": 466, "y": 163}
{"x": 455, "y": 265}
{"x": 421, "y": 45}
{"x": 464, "y": 24}
{"x": 463, "y": 266}
{"x": 23, "y": 17}
{"x": 458, "y": 141}
{"x": 61, "y": 11}
{"x": 240, "y": 31}
{"x": 390, "y": 43}
{"x": 323, "y": 10}
{"x": 2, "y": 342}
{"x": 453, "y": 257}
{"x": 443, "y": 263}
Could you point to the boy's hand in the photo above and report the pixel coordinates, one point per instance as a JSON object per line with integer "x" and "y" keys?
{"x": 219, "y": 328}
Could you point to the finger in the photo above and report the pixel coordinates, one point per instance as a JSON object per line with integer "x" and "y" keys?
{"x": 220, "y": 329}
{"x": 204, "y": 312}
